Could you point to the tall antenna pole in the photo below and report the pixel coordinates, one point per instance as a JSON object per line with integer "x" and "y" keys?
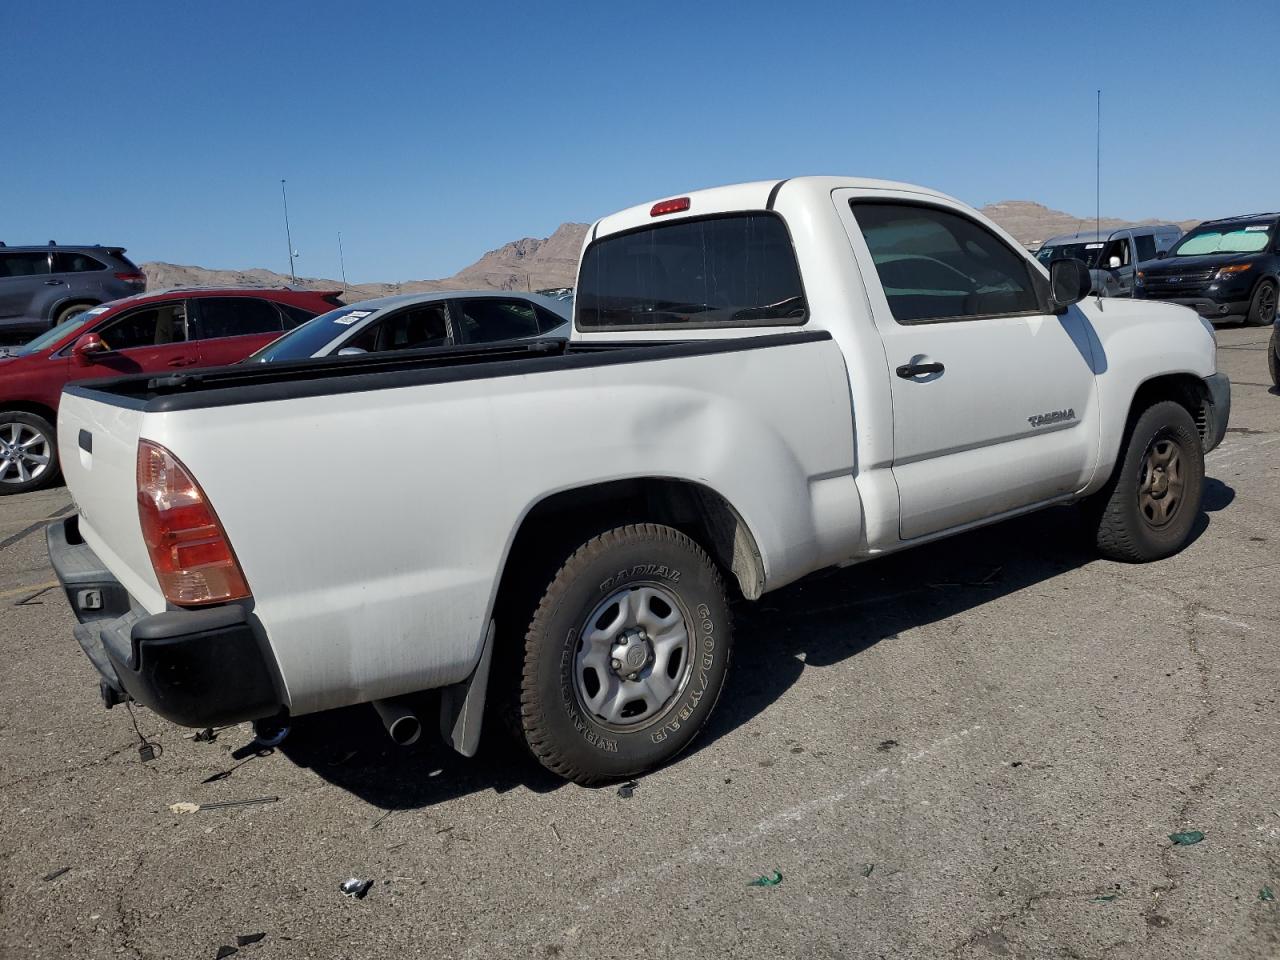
{"x": 1097, "y": 187}
{"x": 287, "y": 235}
{"x": 341, "y": 262}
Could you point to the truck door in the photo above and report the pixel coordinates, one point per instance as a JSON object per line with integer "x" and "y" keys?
{"x": 993, "y": 396}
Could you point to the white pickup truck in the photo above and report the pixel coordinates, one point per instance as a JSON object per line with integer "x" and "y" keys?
{"x": 763, "y": 380}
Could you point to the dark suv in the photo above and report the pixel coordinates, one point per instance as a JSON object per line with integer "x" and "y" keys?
{"x": 1226, "y": 269}
{"x": 40, "y": 287}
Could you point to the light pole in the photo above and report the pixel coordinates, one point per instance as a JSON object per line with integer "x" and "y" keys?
{"x": 287, "y": 236}
{"x": 341, "y": 262}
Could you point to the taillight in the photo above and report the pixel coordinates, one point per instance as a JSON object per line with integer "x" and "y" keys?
{"x": 132, "y": 277}
{"x": 192, "y": 557}
{"x": 663, "y": 207}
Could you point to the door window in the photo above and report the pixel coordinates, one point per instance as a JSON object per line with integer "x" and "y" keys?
{"x": 486, "y": 321}
{"x": 939, "y": 265}
{"x": 237, "y": 317}
{"x": 148, "y": 327}
{"x": 414, "y": 328}
{"x": 23, "y": 264}
{"x": 65, "y": 262}
{"x": 1146, "y": 247}
{"x": 1120, "y": 249}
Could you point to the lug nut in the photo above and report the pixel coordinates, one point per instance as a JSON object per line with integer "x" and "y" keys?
{"x": 617, "y": 664}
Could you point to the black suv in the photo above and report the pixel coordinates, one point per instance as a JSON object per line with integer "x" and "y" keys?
{"x": 41, "y": 287}
{"x": 1226, "y": 269}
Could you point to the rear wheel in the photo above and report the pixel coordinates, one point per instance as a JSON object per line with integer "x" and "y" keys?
{"x": 1262, "y": 308}
{"x": 1147, "y": 510}
{"x": 69, "y": 311}
{"x": 626, "y": 655}
{"x": 28, "y": 452}
{"x": 1273, "y": 357}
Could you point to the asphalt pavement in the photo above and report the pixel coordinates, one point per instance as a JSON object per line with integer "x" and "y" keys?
{"x": 976, "y": 749}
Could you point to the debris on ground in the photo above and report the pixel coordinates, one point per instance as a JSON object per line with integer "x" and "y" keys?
{"x": 767, "y": 881}
{"x": 185, "y": 806}
{"x": 55, "y": 874}
{"x": 244, "y": 939}
{"x": 1105, "y": 898}
{"x": 886, "y": 746}
{"x": 866, "y": 871}
{"x": 1266, "y": 893}
{"x": 1186, "y": 838}
{"x": 207, "y": 735}
{"x": 627, "y": 789}
{"x": 355, "y": 887}
{"x": 225, "y": 951}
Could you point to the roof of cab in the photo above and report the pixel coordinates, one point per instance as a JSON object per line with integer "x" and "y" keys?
{"x": 755, "y": 195}
{"x": 1093, "y": 236}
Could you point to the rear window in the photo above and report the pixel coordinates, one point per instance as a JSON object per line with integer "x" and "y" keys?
{"x": 737, "y": 270}
{"x": 64, "y": 262}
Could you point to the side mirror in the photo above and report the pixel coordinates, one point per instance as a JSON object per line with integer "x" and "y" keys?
{"x": 1161, "y": 254}
{"x": 1069, "y": 282}
{"x": 88, "y": 348}
{"x": 1113, "y": 263}
{"x": 351, "y": 351}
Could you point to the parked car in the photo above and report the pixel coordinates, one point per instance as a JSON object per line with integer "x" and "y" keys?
{"x": 1111, "y": 255}
{"x": 417, "y": 320}
{"x": 763, "y": 380}
{"x": 157, "y": 332}
{"x": 41, "y": 287}
{"x": 1225, "y": 269}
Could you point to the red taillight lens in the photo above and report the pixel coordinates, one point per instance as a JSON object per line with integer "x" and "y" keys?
{"x": 189, "y": 550}
{"x": 678, "y": 205}
{"x": 132, "y": 277}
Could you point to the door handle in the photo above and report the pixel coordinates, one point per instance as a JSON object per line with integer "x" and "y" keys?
{"x": 53, "y": 283}
{"x": 182, "y": 362}
{"x": 909, "y": 371}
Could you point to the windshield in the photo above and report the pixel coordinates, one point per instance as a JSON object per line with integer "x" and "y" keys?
{"x": 52, "y": 336}
{"x": 1087, "y": 252}
{"x": 314, "y": 335}
{"x": 1240, "y": 238}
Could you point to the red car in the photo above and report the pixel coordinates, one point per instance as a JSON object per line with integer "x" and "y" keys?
{"x": 151, "y": 333}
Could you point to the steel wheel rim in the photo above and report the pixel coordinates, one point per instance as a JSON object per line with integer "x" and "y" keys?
{"x": 643, "y": 632}
{"x": 25, "y": 453}
{"x": 1161, "y": 481}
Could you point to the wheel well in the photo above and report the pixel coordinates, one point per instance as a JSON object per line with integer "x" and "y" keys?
{"x": 39, "y": 409}
{"x": 1182, "y": 388}
{"x": 565, "y": 520}
{"x": 72, "y": 302}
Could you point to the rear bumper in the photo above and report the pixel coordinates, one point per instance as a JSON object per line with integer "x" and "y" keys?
{"x": 1219, "y": 411}
{"x": 198, "y": 667}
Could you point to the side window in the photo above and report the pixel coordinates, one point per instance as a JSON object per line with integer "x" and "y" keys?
{"x": 414, "y": 328}
{"x": 64, "y": 262}
{"x": 23, "y": 264}
{"x": 1146, "y": 247}
{"x": 1119, "y": 248}
{"x": 548, "y": 321}
{"x": 294, "y": 316}
{"x": 487, "y": 321}
{"x": 148, "y": 327}
{"x": 237, "y": 317}
{"x": 939, "y": 265}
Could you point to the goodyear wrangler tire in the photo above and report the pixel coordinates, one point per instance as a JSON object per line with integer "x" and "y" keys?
{"x": 626, "y": 655}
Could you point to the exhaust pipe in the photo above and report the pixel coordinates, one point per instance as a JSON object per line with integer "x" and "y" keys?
{"x": 403, "y": 725}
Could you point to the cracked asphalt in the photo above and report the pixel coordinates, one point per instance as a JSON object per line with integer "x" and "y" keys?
{"x": 977, "y": 749}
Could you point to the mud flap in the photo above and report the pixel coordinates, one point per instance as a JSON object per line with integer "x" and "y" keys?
{"x": 462, "y": 705}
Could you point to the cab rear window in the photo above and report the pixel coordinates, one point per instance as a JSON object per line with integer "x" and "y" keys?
{"x": 736, "y": 270}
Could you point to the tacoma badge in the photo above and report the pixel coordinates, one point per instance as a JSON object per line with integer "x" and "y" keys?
{"x": 1054, "y": 416}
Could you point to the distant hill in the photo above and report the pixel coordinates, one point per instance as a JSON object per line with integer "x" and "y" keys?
{"x": 539, "y": 263}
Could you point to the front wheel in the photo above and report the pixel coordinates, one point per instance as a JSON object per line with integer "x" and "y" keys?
{"x": 626, "y": 655}
{"x": 1273, "y": 357}
{"x": 1262, "y": 308}
{"x": 1147, "y": 510}
{"x": 28, "y": 452}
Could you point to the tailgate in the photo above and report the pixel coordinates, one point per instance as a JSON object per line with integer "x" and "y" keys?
{"x": 98, "y": 447}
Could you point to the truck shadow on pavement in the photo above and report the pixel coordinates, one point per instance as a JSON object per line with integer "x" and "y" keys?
{"x": 824, "y": 619}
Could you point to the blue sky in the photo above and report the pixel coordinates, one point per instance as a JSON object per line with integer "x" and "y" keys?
{"x": 430, "y": 132}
